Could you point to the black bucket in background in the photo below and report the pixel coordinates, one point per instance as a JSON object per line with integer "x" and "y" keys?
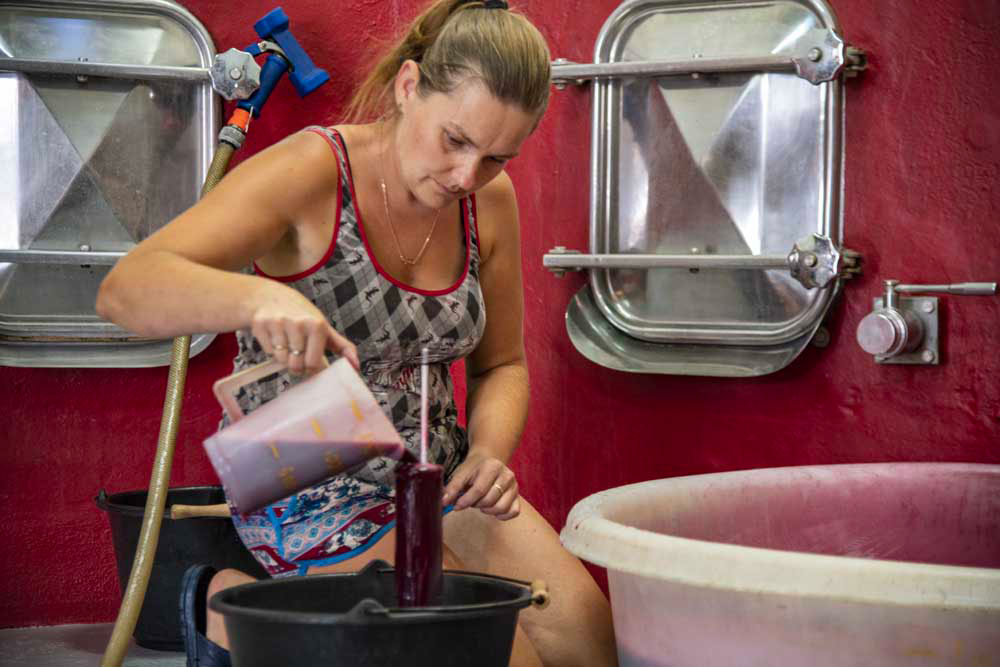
{"x": 352, "y": 619}
{"x": 183, "y": 542}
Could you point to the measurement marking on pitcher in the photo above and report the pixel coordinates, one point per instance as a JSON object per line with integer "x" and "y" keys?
{"x": 356, "y": 410}
{"x": 317, "y": 428}
{"x": 333, "y": 463}
{"x": 287, "y": 476}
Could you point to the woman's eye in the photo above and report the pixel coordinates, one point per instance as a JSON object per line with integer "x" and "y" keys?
{"x": 453, "y": 141}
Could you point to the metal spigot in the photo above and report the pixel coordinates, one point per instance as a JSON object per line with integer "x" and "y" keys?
{"x": 905, "y": 330}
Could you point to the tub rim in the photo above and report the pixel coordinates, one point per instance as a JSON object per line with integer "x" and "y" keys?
{"x": 701, "y": 563}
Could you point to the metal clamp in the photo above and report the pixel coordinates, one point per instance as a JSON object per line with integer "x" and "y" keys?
{"x": 814, "y": 261}
{"x": 820, "y": 56}
{"x": 267, "y": 46}
{"x": 902, "y": 330}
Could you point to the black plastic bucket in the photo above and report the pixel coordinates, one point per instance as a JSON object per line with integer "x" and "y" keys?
{"x": 352, "y": 619}
{"x": 183, "y": 542}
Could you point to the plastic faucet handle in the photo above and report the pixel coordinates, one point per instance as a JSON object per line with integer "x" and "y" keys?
{"x": 304, "y": 74}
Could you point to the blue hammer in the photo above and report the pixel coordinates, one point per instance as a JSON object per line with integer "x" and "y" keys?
{"x": 305, "y": 76}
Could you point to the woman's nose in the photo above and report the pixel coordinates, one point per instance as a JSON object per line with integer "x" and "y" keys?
{"x": 465, "y": 174}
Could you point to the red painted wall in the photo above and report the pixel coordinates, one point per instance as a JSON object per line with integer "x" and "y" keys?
{"x": 923, "y": 156}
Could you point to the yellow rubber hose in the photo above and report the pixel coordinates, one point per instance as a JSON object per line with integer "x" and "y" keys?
{"x": 217, "y": 169}
{"x": 159, "y": 481}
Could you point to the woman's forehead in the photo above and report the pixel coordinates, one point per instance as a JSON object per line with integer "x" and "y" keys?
{"x": 491, "y": 124}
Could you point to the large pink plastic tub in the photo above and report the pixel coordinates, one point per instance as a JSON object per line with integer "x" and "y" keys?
{"x": 874, "y": 564}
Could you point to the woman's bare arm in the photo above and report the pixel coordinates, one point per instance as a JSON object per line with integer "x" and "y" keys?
{"x": 183, "y": 279}
{"x": 498, "y": 391}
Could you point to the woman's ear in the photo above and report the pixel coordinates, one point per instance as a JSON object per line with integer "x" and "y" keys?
{"x": 405, "y": 86}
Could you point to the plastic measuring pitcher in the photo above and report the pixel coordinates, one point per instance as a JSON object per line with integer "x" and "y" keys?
{"x": 322, "y": 426}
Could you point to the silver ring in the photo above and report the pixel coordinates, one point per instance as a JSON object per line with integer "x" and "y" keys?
{"x": 296, "y": 353}
{"x": 279, "y": 348}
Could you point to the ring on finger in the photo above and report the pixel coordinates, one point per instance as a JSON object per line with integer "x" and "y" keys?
{"x": 279, "y": 348}
{"x": 498, "y": 488}
{"x": 296, "y": 353}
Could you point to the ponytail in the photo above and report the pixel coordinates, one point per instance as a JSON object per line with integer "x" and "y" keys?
{"x": 452, "y": 40}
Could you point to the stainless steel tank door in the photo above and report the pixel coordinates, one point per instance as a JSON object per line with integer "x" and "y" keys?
{"x": 716, "y": 218}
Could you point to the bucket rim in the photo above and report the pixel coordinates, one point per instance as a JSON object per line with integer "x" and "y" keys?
{"x": 600, "y": 530}
{"x": 367, "y": 611}
{"x": 105, "y": 501}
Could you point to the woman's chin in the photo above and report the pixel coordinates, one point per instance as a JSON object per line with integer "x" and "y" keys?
{"x": 437, "y": 197}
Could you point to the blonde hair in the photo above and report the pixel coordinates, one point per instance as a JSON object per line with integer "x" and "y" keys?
{"x": 452, "y": 40}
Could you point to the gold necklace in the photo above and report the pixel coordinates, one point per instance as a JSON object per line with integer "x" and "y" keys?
{"x": 388, "y": 216}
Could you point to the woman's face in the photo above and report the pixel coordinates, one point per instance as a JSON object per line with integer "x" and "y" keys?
{"x": 449, "y": 145}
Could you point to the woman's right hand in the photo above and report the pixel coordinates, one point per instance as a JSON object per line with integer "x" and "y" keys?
{"x": 294, "y": 331}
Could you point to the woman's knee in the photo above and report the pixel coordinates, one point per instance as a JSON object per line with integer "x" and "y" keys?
{"x": 227, "y": 578}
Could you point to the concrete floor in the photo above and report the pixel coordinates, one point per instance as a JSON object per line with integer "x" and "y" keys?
{"x": 73, "y": 646}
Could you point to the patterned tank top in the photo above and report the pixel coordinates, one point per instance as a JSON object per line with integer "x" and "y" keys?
{"x": 390, "y": 323}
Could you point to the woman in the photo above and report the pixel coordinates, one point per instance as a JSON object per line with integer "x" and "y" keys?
{"x": 374, "y": 241}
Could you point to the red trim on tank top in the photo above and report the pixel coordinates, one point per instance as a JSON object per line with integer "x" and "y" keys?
{"x": 336, "y": 228}
{"x": 475, "y": 220}
{"x": 371, "y": 255}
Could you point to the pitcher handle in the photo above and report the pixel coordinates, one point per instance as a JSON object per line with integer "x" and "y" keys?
{"x": 226, "y": 388}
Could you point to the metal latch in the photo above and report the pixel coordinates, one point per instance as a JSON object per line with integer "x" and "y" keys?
{"x": 814, "y": 261}
{"x": 904, "y": 330}
{"x": 819, "y": 56}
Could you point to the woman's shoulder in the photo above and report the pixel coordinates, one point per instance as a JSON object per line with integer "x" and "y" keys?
{"x": 499, "y": 191}
{"x": 357, "y": 137}
{"x": 308, "y": 145}
{"x": 303, "y": 161}
{"x": 312, "y": 143}
{"x": 496, "y": 210}
{"x": 286, "y": 178}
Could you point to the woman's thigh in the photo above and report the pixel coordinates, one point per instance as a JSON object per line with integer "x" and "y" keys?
{"x": 575, "y": 629}
{"x": 383, "y": 549}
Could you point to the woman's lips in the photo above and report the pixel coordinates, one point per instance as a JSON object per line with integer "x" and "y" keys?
{"x": 445, "y": 192}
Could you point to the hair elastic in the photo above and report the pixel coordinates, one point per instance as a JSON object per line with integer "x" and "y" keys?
{"x": 495, "y": 4}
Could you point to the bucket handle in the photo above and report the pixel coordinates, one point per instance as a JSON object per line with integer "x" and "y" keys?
{"x": 226, "y": 388}
{"x": 373, "y": 608}
{"x": 220, "y": 511}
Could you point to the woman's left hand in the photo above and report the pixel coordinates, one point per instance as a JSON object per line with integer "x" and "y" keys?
{"x": 484, "y": 482}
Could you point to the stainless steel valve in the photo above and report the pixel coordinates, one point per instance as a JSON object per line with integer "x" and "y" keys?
{"x": 902, "y": 330}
